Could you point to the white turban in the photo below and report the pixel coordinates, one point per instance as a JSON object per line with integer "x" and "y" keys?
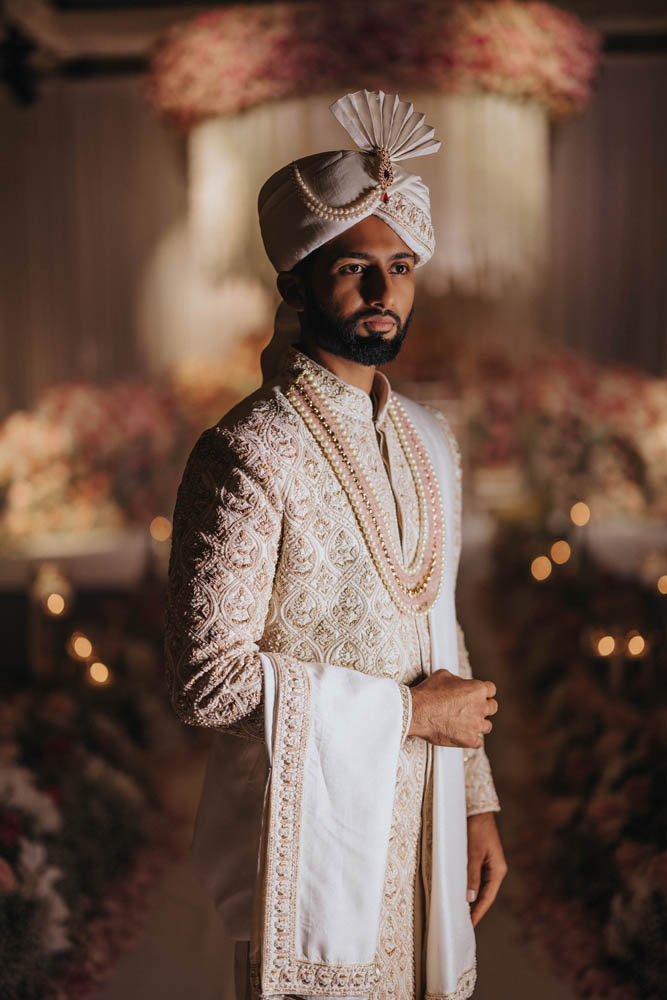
{"x": 309, "y": 201}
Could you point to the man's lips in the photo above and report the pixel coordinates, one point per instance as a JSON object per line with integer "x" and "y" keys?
{"x": 380, "y": 325}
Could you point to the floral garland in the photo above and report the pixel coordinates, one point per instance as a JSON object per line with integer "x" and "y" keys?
{"x": 230, "y": 59}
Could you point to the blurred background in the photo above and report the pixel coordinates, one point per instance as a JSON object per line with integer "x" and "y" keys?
{"x": 135, "y": 299}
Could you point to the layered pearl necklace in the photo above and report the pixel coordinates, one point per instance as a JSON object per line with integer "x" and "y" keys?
{"x": 414, "y": 588}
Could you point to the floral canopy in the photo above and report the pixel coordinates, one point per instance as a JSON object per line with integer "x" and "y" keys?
{"x": 233, "y": 58}
{"x": 250, "y": 84}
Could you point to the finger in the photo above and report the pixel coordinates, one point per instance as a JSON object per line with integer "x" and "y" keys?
{"x": 474, "y": 877}
{"x": 485, "y": 899}
{"x": 490, "y": 689}
{"x": 491, "y": 706}
{"x": 486, "y": 726}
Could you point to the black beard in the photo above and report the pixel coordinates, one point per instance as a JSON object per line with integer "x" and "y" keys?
{"x": 331, "y": 333}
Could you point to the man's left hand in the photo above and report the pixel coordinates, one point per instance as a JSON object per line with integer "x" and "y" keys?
{"x": 486, "y": 864}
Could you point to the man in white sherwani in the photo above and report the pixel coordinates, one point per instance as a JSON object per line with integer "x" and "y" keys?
{"x": 346, "y": 829}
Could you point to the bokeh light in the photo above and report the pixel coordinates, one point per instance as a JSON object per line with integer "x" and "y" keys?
{"x": 99, "y": 672}
{"x": 541, "y": 567}
{"x": 662, "y": 584}
{"x": 80, "y": 645}
{"x": 606, "y": 645}
{"x": 55, "y": 604}
{"x": 51, "y": 589}
{"x": 580, "y": 513}
{"x": 160, "y": 528}
{"x": 560, "y": 551}
{"x": 636, "y": 644}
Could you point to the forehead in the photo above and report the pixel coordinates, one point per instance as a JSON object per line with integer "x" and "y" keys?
{"x": 369, "y": 236}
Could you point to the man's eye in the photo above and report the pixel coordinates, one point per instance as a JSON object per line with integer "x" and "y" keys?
{"x": 405, "y": 268}
{"x": 348, "y": 266}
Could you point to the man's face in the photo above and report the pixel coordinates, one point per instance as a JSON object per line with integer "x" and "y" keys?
{"x": 359, "y": 293}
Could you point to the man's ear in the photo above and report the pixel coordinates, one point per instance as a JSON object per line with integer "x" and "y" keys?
{"x": 290, "y": 287}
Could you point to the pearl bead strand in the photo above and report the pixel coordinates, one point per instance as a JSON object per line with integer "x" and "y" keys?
{"x": 324, "y": 211}
{"x": 416, "y": 588}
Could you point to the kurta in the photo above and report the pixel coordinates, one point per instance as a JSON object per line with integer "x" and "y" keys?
{"x": 267, "y": 556}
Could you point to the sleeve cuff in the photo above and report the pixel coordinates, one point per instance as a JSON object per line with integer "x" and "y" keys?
{"x": 481, "y": 795}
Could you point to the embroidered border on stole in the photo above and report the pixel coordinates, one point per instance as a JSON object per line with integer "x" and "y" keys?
{"x": 282, "y": 970}
{"x": 463, "y": 989}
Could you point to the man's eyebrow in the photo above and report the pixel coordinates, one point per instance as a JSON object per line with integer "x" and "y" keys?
{"x": 367, "y": 256}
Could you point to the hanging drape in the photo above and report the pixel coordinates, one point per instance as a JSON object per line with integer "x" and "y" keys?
{"x": 89, "y": 183}
{"x": 607, "y": 294}
{"x": 489, "y": 185}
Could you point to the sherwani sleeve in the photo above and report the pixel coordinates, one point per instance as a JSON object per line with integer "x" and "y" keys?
{"x": 227, "y": 528}
{"x": 481, "y": 793}
{"x": 226, "y": 536}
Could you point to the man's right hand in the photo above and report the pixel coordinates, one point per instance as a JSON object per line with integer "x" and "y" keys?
{"x": 452, "y": 711}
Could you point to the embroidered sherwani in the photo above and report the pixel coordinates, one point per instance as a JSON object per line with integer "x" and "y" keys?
{"x": 267, "y": 557}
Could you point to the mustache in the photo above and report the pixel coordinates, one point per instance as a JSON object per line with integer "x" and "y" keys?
{"x": 374, "y": 314}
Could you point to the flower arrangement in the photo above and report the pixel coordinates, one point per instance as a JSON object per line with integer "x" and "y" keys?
{"x": 230, "y": 59}
{"x": 591, "y": 851}
{"x": 83, "y": 809}
{"x": 574, "y": 427}
{"x": 90, "y": 457}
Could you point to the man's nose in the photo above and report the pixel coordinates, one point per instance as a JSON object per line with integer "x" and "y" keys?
{"x": 377, "y": 289}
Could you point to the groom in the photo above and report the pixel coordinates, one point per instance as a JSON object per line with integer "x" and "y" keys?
{"x": 311, "y": 616}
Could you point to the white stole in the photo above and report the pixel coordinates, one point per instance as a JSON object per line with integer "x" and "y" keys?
{"x": 291, "y": 836}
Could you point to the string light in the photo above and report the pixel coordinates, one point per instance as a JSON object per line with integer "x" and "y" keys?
{"x": 541, "y": 567}
{"x": 99, "y": 673}
{"x": 160, "y": 528}
{"x": 580, "y": 513}
{"x": 560, "y": 551}
{"x": 55, "y": 604}
{"x": 606, "y": 645}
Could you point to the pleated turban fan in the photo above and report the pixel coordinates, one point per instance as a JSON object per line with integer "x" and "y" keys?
{"x": 313, "y": 199}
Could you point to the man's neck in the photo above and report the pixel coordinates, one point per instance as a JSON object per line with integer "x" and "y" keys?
{"x": 361, "y": 376}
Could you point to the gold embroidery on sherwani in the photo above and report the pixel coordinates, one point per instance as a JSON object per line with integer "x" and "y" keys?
{"x": 267, "y": 555}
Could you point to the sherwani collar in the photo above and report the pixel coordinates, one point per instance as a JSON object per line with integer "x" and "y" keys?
{"x": 342, "y": 398}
